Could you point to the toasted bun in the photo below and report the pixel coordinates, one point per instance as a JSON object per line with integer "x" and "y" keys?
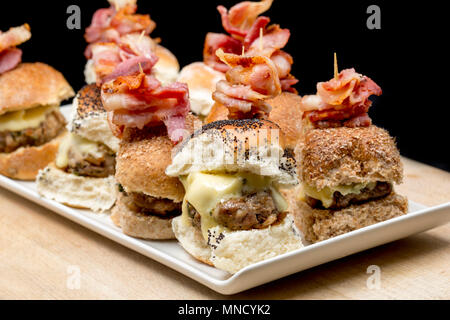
{"x": 234, "y": 250}
{"x": 141, "y": 164}
{"x": 141, "y": 225}
{"x": 287, "y": 114}
{"x": 96, "y": 194}
{"x": 341, "y": 156}
{"x": 318, "y": 225}
{"x": 167, "y": 68}
{"x": 202, "y": 81}
{"x": 235, "y": 146}
{"x": 31, "y": 85}
{"x": 89, "y": 118}
{"x": 25, "y": 162}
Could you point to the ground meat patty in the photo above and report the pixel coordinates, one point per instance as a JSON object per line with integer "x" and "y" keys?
{"x": 89, "y": 166}
{"x": 340, "y": 201}
{"x": 145, "y": 204}
{"x": 252, "y": 211}
{"x": 50, "y": 128}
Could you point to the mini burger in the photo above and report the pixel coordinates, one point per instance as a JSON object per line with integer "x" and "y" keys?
{"x": 31, "y": 125}
{"x": 82, "y": 175}
{"x": 233, "y": 214}
{"x": 150, "y": 119}
{"x": 246, "y": 33}
{"x": 347, "y": 166}
{"x": 119, "y": 40}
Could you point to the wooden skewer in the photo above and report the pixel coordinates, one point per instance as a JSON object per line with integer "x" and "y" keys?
{"x": 140, "y": 68}
{"x": 243, "y": 50}
{"x": 336, "y": 69}
{"x": 141, "y": 36}
{"x": 261, "y": 44}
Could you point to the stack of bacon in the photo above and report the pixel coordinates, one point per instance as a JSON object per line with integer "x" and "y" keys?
{"x": 342, "y": 101}
{"x": 119, "y": 42}
{"x": 10, "y": 56}
{"x": 249, "y": 82}
{"x": 244, "y": 25}
{"x": 139, "y": 100}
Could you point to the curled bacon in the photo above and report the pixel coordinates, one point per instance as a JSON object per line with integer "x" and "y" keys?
{"x": 132, "y": 54}
{"x": 10, "y": 56}
{"x": 14, "y": 36}
{"x": 135, "y": 101}
{"x": 215, "y": 41}
{"x": 241, "y": 17}
{"x": 342, "y": 101}
{"x": 244, "y": 25}
{"x": 9, "y": 59}
{"x": 109, "y": 24}
{"x": 249, "y": 82}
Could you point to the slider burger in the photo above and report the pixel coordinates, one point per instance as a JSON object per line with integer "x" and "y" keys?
{"x": 347, "y": 166}
{"x": 31, "y": 125}
{"x": 248, "y": 32}
{"x": 82, "y": 175}
{"x": 150, "y": 119}
{"x": 233, "y": 214}
{"x": 119, "y": 40}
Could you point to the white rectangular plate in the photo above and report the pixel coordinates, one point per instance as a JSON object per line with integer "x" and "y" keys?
{"x": 171, "y": 254}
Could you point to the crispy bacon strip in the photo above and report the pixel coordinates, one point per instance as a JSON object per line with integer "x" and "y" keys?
{"x": 136, "y": 101}
{"x": 14, "y": 36}
{"x": 109, "y": 24}
{"x": 342, "y": 101}
{"x": 244, "y": 25}
{"x": 215, "y": 41}
{"x": 241, "y": 17}
{"x": 10, "y": 56}
{"x": 249, "y": 82}
{"x": 129, "y": 56}
{"x": 9, "y": 59}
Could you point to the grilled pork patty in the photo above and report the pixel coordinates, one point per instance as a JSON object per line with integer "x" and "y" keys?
{"x": 340, "y": 201}
{"x": 49, "y": 129}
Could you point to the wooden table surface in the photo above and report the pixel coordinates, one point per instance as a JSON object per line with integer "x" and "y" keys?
{"x": 39, "y": 251}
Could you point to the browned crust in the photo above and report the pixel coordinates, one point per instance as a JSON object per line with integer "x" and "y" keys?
{"x": 287, "y": 114}
{"x": 141, "y": 165}
{"x": 140, "y": 225}
{"x": 341, "y": 156}
{"x": 25, "y": 163}
{"x": 31, "y": 85}
{"x": 218, "y": 112}
{"x": 318, "y": 225}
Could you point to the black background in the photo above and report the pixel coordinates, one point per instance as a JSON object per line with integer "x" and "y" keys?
{"x": 407, "y": 57}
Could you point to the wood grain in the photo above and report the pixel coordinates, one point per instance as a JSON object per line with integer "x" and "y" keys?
{"x": 37, "y": 247}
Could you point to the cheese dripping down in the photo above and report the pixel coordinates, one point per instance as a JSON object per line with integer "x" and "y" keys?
{"x": 204, "y": 191}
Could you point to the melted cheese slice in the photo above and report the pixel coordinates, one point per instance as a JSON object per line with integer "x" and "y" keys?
{"x": 24, "y": 119}
{"x": 79, "y": 145}
{"x": 204, "y": 191}
{"x": 326, "y": 195}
